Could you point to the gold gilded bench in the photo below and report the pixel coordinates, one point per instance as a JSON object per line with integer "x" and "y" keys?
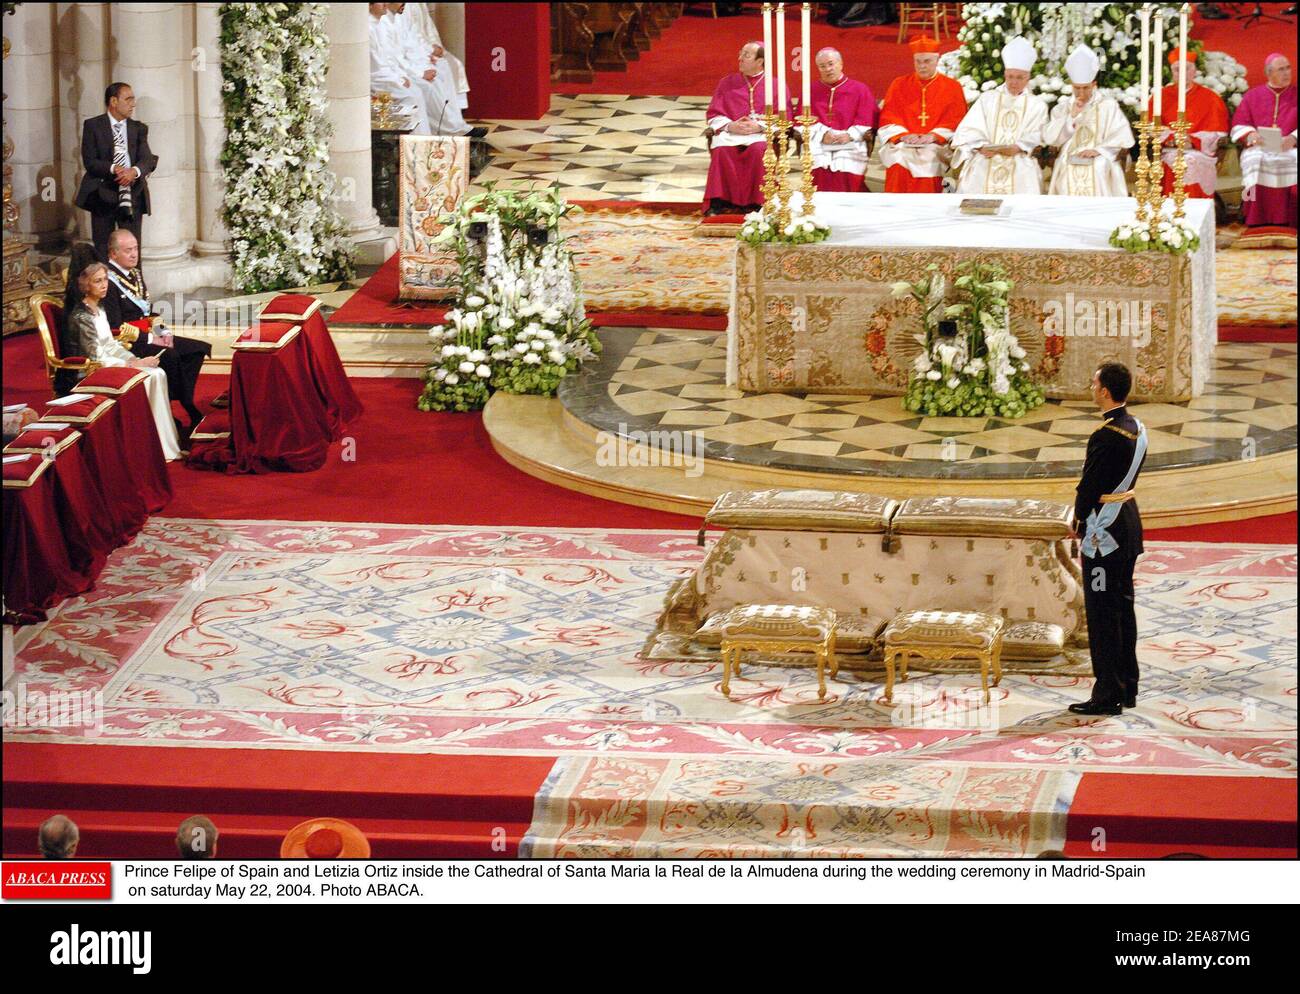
{"x": 778, "y": 628}
{"x": 942, "y": 635}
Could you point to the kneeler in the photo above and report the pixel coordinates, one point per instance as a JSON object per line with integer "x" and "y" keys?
{"x": 142, "y": 447}
{"x": 327, "y": 373}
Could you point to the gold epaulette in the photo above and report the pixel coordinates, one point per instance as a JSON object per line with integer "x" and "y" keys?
{"x": 1127, "y": 434}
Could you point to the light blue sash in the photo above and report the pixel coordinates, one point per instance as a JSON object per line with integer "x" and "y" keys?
{"x": 1097, "y": 541}
{"x": 140, "y": 302}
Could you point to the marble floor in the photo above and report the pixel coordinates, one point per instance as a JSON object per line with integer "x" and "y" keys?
{"x": 671, "y": 381}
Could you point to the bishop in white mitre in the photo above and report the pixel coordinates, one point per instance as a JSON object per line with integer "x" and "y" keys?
{"x": 996, "y": 139}
{"x": 387, "y": 75}
{"x": 1091, "y": 133}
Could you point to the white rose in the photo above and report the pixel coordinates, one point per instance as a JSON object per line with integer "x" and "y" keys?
{"x": 537, "y": 345}
{"x": 933, "y": 374}
{"x": 498, "y": 355}
{"x": 506, "y": 324}
{"x": 473, "y": 300}
{"x": 484, "y": 371}
{"x": 497, "y": 340}
{"x": 478, "y": 355}
{"x": 439, "y": 374}
{"x": 452, "y": 379}
{"x": 556, "y": 356}
{"x": 521, "y": 347}
{"x": 466, "y": 367}
{"x": 552, "y": 315}
{"x": 448, "y": 351}
{"x": 532, "y": 359}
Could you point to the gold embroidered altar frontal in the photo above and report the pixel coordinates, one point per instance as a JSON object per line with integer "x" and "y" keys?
{"x": 822, "y": 319}
{"x": 433, "y": 178}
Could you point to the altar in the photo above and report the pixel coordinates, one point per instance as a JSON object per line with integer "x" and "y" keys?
{"x": 821, "y": 318}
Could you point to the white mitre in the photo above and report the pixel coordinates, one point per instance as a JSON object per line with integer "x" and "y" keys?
{"x": 1019, "y": 54}
{"x": 1082, "y": 65}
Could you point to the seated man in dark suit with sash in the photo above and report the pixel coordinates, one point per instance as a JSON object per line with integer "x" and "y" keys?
{"x": 1106, "y": 517}
{"x": 128, "y": 300}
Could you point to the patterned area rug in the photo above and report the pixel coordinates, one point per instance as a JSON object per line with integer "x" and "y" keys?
{"x": 387, "y": 638}
{"x": 1256, "y": 286}
{"x": 685, "y": 809}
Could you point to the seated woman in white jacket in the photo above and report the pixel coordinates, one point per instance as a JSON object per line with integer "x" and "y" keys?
{"x": 90, "y": 336}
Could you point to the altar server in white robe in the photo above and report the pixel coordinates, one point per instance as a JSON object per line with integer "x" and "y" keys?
{"x": 1091, "y": 132}
{"x": 388, "y": 76}
{"x": 419, "y": 23}
{"x": 996, "y": 139}
{"x": 434, "y": 84}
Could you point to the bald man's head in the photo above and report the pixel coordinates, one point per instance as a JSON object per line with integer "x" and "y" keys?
{"x": 750, "y": 61}
{"x": 58, "y": 837}
{"x": 830, "y": 66}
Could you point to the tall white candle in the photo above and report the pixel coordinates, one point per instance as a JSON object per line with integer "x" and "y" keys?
{"x": 807, "y": 59}
{"x": 1182, "y": 61}
{"x": 1157, "y": 60}
{"x": 780, "y": 57}
{"x": 767, "y": 57}
{"x": 1144, "y": 91}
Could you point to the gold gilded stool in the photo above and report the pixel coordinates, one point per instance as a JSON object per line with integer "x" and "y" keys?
{"x": 939, "y": 635}
{"x": 778, "y": 628}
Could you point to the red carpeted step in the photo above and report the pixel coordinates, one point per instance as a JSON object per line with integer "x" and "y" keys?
{"x": 1182, "y": 812}
{"x": 1080, "y": 849}
{"x": 151, "y": 835}
{"x": 1257, "y": 332}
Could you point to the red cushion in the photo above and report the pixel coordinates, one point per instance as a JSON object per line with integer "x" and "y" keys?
{"x": 43, "y": 439}
{"x": 214, "y": 425}
{"x": 85, "y": 411}
{"x": 111, "y": 380}
{"x": 24, "y": 472}
{"x": 267, "y": 336}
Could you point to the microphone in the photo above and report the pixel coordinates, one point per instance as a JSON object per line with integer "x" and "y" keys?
{"x": 441, "y": 114}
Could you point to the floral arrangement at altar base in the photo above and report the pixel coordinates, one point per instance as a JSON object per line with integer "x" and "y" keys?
{"x": 519, "y": 324}
{"x": 1112, "y": 30}
{"x": 801, "y": 230}
{"x": 1175, "y": 236}
{"x": 981, "y": 370}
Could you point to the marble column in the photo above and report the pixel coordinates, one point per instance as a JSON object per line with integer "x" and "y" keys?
{"x": 84, "y": 38}
{"x": 209, "y": 130}
{"x": 148, "y": 39}
{"x": 348, "y": 89}
{"x": 29, "y": 109}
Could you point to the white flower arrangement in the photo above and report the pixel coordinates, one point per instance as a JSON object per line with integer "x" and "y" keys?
{"x": 1176, "y": 237}
{"x": 520, "y": 324}
{"x": 1112, "y": 30}
{"x": 802, "y": 229}
{"x": 279, "y": 198}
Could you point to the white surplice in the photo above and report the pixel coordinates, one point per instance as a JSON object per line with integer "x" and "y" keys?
{"x": 1102, "y": 127}
{"x": 108, "y": 351}
{"x": 422, "y": 24}
{"x": 386, "y": 76}
{"x": 441, "y": 102}
{"x": 1275, "y": 169}
{"x": 997, "y": 118}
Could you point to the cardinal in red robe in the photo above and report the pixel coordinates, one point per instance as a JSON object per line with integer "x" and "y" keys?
{"x": 1207, "y": 119}
{"x": 920, "y": 114}
{"x": 735, "y": 183}
{"x": 846, "y": 117}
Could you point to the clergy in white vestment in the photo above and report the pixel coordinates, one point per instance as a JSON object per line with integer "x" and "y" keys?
{"x": 435, "y": 88}
{"x": 387, "y": 76}
{"x": 1091, "y": 133}
{"x": 996, "y": 139}
{"x": 420, "y": 23}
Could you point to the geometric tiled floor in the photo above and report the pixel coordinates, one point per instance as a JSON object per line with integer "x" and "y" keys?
{"x": 669, "y": 380}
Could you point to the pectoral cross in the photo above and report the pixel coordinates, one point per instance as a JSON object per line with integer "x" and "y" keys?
{"x": 924, "y": 116}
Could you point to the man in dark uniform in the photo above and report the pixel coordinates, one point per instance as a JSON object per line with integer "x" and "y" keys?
{"x": 128, "y": 300}
{"x": 1106, "y": 517}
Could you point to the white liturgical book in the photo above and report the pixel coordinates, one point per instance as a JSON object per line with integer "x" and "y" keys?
{"x": 1270, "y": 139}
{"x": 72, "y": 398}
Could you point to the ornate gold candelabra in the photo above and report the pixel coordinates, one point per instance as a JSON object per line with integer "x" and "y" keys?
{"x": 1141, "y": 179}
{"x": 806, "y": 121}
{"x": 1155, "y": 180}
{"x": 1180, "y": 164}
{"x": 771, "y": 123}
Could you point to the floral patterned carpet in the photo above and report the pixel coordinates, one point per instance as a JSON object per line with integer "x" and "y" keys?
{"x": 528, "y": 642}
{"x": 1256, "y": 286}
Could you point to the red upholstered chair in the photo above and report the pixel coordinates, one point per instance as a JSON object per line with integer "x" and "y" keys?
{"x": 48, "y": 313}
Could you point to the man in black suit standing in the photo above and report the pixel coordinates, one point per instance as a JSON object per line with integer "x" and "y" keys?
{"x": 1107, "y": 516}
{"x": 115, "y": 153}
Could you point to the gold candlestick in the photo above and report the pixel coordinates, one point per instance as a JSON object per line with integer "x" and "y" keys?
{"x": 1140, "y": 177}
{"x": 769, "y": 161}
{"x": 806, "y": 122}
{"x": 784, "y": 189}
{"x": 1180, "y": 164}
{"x": 1155, "y": 180}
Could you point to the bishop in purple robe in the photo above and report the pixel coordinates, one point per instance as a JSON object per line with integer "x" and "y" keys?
{"x": 735, "y": 114}
{"x": 846, "y": 116}
{"x": 1268, "y": 172}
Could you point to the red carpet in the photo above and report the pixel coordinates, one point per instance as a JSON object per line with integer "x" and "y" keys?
{"x": 1150, "y": 816}
{"x": 128, "y": 801}
{"x": 695, "y": 52}
{"x": 1257, "y": 333}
